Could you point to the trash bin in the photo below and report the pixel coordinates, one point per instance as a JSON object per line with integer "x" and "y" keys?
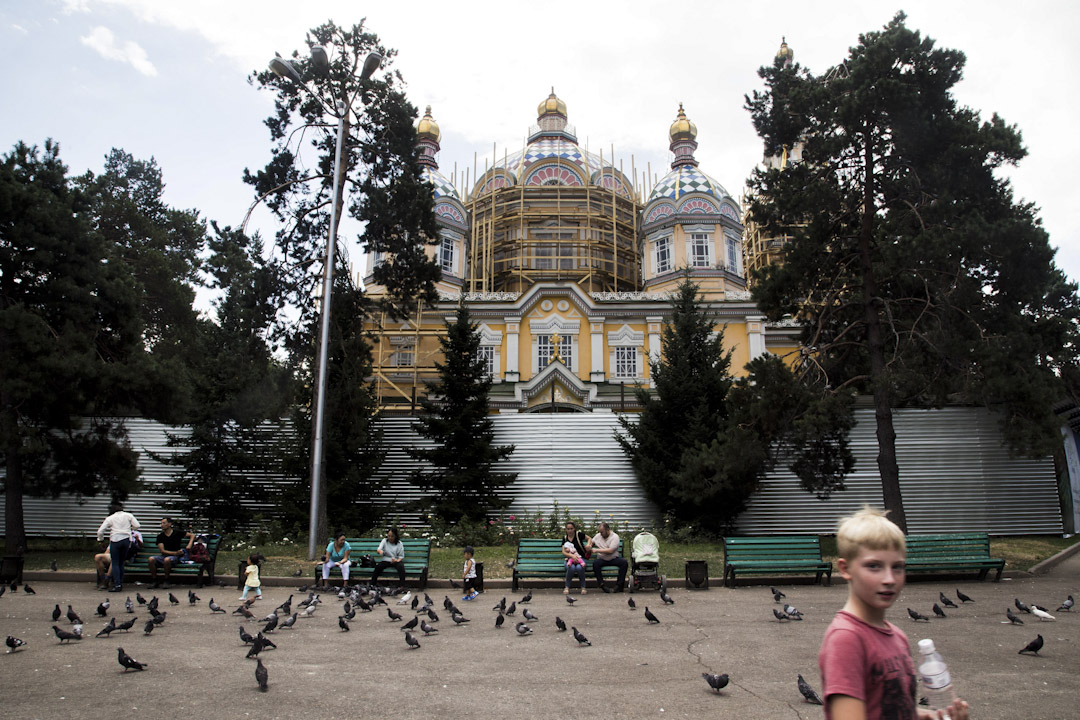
{"x": 697, "y": 575}
{"x": 11, "y": 569}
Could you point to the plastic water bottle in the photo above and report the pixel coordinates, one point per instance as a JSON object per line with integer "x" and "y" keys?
{"x": 936, "y": 681}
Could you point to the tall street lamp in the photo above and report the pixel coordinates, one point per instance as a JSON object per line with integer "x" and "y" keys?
{"x": 283, "y": 68}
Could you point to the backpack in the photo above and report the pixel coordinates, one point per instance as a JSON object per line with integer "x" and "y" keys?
{"x": 135, "y": 545}
{"x": 199, "y": 552}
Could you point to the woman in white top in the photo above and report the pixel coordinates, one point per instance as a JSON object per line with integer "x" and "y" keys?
{"x": 119, "y": 526}
{"x": 392, "y": 553}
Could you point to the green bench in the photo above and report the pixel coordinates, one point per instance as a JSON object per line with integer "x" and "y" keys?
{"x": 140, "y": 564}
{"x": 417, "y": 560}
{"x": 774, "y": 554}
{"x": 543, "y": 558}
{"x": 952, "y": 551}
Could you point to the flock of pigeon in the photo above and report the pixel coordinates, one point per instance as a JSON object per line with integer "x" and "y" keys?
{"x": 366, "y": 598}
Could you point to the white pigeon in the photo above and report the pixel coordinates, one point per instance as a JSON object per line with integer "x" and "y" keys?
{"x": 341, "y": 594}
{"x": 405, "y": 598}
{"x": 1042, "y": 615}
{"x": 308, "y": 611}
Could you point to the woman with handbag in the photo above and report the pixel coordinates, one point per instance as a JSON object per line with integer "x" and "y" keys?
{"x": 576, "y": 550}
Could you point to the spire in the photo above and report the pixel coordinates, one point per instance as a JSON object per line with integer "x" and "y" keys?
{"x": 683, "y": 134}
{"x": 427, "y": 139}
{"x": 785, "y": 54}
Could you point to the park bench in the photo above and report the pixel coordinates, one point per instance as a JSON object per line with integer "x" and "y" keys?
{"x": 543, "y": 558}
{"x": 417, "y": 560}
{"x": 772, "y": 554}
{"x": 952, "y": 551}
{"x": 139, "y": 565}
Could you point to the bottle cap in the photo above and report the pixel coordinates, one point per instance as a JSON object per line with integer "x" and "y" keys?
{"x": 927, "y": 646}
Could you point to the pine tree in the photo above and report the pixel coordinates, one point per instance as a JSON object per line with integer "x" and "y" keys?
{"x": 460, "y": 481}
{"x": 918, "y": 278}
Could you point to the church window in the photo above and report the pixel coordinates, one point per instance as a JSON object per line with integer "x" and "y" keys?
{"x": 662, "y": 255}
{"x": 404, "y": 355}
{"x": 487, "y": 356}
{"x": 446, "y": 254}
{"x": 626, "y": 360}
{"x": 733, "y": 254}
{"x": 544, "y": 348}
{"x": 700, "y": 250}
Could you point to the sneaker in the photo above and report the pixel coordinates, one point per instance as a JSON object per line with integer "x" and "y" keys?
{"x": 475, "y": 594}
{"x": 466, "y": 597}
{"x": 605, "y": 588}
{"x": 118, "y": 588}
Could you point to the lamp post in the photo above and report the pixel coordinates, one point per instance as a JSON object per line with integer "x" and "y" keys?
{"x": 285, "y": 69}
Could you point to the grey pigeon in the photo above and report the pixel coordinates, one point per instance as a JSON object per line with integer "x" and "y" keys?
{"x": 271, "y": 624}
{"x": 260, "y": 673}
{"x": 432, "y": 616}
{"x": 1066, "y": 606}
{"x": 309, "y": 611}
{"x": 266, "y": 642}
{"x": 528, "y": 615}
{"x": 581, "y": 639}
{"x": 777, "y": 595}
{"x": 129, "y": 606}
{"x": 396, "y": 617}
{"x": 570, "y": 600}
{"x": 716, "y": 682}
{"x": 962, "y": 597}
{"x": 501, "y": 605}
{"x": 1022, "y": 606}
{"x": 148, "y": 627}
{"x": 560, "y": 624}
{"x": 512, "y": 609}
{"x": 650, "y": 617}
{"x": 792, "y": 612}
{"x": 140, "y": 599}
{"x": 73, "y": 616}
{"x": 1012, "y": 617}
{"x": 192, "y": 598}
{"x": 126, "y": 626}
{"x": 808, "y": 692}
{"x": 459, "y": 619}
{"x": 108, "y": 628}
{"x": 454, "y": 584}
{"x": 780, "y": 615}
{"x": 214, "y": 607}
{"x": 412, "y": 641}
{"x": 411, "y": 624}
{"x": 526, "y": 599}
{"x": 289, "y": 622}
{"x": 159, "y": 618}
{"x": 14, "y": 643}
{"x": 666, "y": 598}
{"x": 285, "y": 607}
{"x": 343, "y": 623}
{"x": 523, "y": 629}
{"x": 428, "y": 629}
{"x": 28, "y": 590}
{"x": 128, "y": 662}
{"x": 946, "y": 601}
{"x": 445, "y": 603}
{"x": 173, "y": 600}
{"x": 916, "y": 616}
{"x": 257, "y": 646}
{"x": 631, "y": 604}
{"x": 1033, "y": 647}
{"x": 56, "y": 613}
{"x": 299, "y": 572}
{"x": 500, "y": 620}
{"x": 938, "y": 611}
{"x": 415, "y": 602}
{"x": 64, "y": 634}
{"x": 245, "y": 636}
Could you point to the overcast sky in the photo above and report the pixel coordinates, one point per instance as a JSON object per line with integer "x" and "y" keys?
{"x": 168, "y": 80}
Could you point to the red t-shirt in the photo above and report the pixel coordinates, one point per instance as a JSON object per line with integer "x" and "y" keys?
{"x": 871, "y": 664}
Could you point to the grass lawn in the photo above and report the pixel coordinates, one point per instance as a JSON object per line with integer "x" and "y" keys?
{"x": 72, "y": 554}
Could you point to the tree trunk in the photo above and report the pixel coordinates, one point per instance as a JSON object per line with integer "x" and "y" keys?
{"x": 879, "y": 374}
{"x": 14, "y": 523}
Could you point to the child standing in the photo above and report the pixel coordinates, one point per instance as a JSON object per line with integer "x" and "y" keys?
{"x": 866, "y": 668}
{"x": 468, "y": 575}
{"x": 251, "y": 579}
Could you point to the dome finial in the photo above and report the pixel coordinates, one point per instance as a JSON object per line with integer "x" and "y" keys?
{"x": 785, "y": 54}
{"x": 428, "y": 128}
{"x": 551, "y": 106}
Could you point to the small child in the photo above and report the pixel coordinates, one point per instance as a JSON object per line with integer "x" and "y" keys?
{"x": 468, "y": 575}
{"x": 573, "y": 559}
{"x": 866, "y": 666}
{"x": 251, "y": 579}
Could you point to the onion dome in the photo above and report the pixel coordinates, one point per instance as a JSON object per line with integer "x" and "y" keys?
{"x": 428, "y": 128}
{"x": 551, "y": 106}
{"x": 682, "y": 128}
{"x": 785, "y": 54}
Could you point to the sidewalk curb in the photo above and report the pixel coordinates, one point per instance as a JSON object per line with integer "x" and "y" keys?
{"x": 1055, "y": 560}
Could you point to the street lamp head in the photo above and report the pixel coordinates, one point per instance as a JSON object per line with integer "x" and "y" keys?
{"x": 371, "y": 64}
{"x": 320, "y": 60}
{"x": 284, "y": 69}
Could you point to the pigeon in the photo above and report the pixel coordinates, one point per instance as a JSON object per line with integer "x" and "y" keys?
{"x": 363, "y": 605}
{"x": 459, "y": 619}
{"x": 140, "y": 599}
{"x": 916, "y": 616}
{"x": 126, "y": 626}
{"x": 1042, "y": 614}
{"x": 1066, "y": 606}
{"x": 1022, "y": 606}
{"x": 152, "y": 606}
{"x": 285, "y": 607}
{"x": 560, "y": 624}
{"x": 128, "y": 662}
{"x": 946, "y": 601}
{"x": 257, "y": 646}
{"x": 393, "y": 615}
{"x": 271, "y": 624}
{"x": 28, "y": 590}
{"x": 77, "y": 629}
{"x": 260, "y": 672}
{"x": 291, "y": 620}
{"x": 650, "y": 617}
{"x": 148, "y": 627}
{"x": 570, "y": 600}
{"x": 808, "y": 692}
{"x": 1012, "y": 617}
{"x": 53, "y": 566}
{"x": 501, "y": 605}
{"x": 780, "y": 615}
{"x": 159, "y": 618}
{"x": 454, "y": 584}
{"x": 245, "y": 636}
{"x": 1033, "y": 647}
{"x": 108, "y": 628}
{"x": 792, "y": 612}
{"x": 523, "y": 629}
{"x": 102, "y": 609}
{"x": 716, "y": 682}
{"x": 416, "y": 601}
{"x": 527, "y": 599}
{"x": 56, "y": 613}
{"x": 192, "y": 598}
{"x": 343, "y": 623}
{"x": 428, "y": 629}
{"x": 266, "y": 642}
{"x": 432, "y": 616}
{"x": 500, "y": 620}
{"x": 341, "y": 593}
{"x": 776, "y": 594}
{"x": 962, "y": 597}
{"x": 512, "y": 609}
{"x": 214, "y": 607}
{"x": 14, "y": 643}
{"x": 411, "y": 624}
{"x": 528, "y": 615}
{"x": 64, "y": 634}
{"x": 299, "y": 572}
{"x": 938, "y": 611}
{"x": 243, "y": 610}
{"x": 309, "y": 611}
{"x": 412, "y": 641}
{"x": 173, "y": 600}
{"x": 404, "y": 600}
{"x": 350, "y": 613}
{"x": 445, "y": 603}
{"x": 73, "y": 616}
{"x": 666, "y": 598}
{"x": 129, "y": 606}
{"x": 631, "y": 604}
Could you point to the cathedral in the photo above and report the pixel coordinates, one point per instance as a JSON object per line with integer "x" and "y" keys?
{"x": 566, "y": 266}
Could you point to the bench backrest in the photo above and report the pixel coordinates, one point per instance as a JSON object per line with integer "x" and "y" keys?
{"x": 949, "y": 545}
{"x": 790, "y": 547}
{"x": 150, "y": 548}
{"x": 537, "y": 549}
{"x": 417, "y": 550}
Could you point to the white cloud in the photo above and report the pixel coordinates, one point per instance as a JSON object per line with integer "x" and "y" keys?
{"x": 74, "y": 6}
{"x": 20, "y": 28}
{"x": 104, "y": 42}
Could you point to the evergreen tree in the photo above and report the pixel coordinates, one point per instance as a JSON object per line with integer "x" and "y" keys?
{"x": 704, "y": 440}
{"x": 459, "y": 478}
{"x": 918, "y": 278}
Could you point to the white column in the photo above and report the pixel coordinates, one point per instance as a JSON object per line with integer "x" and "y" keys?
{"x": 654, "y": 323}
{"x": 755, "y": 333}
{"x": 513, "y": 326}
{"x": 596, "y": 327}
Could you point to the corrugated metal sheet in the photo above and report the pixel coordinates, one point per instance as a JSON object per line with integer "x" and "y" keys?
{"x": 955, "y": 476}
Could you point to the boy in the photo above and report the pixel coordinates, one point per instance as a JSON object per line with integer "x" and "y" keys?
{"x": 866, "y": 668}
{"x": 468, "y": 575}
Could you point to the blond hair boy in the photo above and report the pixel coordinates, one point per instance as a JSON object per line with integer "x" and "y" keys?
{"x": 866, "y": 668}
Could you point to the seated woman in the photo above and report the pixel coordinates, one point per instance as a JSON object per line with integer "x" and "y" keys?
{"x": 574, "y": 544}
{"x": 337, "y": 555}
{"x": 392, "y": 553}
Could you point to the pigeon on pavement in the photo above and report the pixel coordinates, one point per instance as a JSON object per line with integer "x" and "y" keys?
{"x": 1033, "y": 647}
{"x": 192, "y": 598}
{"x": 73, "y": 616}
{"x": 523, "y": 629}
{"x": 1042, "y": 614}
{"x": 243, "y": 610}
{"x": 28, "y": 590}
{"x": 245, "y": 636}
{"x": 808, "y": 692}
{"x": 148, "y": 627}
{"x": 288, "y": 622}
{"x": 129, "y": 606}
{"x": 1024, "y": 607}
{"x": 56, "y": 613}
{"x": 666, "y": 598}
{"x": 650, "y": 617}
{"x": 581, "y": 639}
{"x": 214, "y": 607}
{"x": 159, "y": 618}
{"x": 780, "y": 615}
{"x": 792, "y": 612}
{"x": 528, "y": 615}
{"x": 260, "y": 672}
{"x": 938, "y": 611}
{"x": 716, "y": 682}
{"x": 271, "y": 624}
{"x": 173, "y": 600}
{"x": 916, "y": 616}
{"x": 396, "y": 617}
{"x": 128, "y": 662}
{"x": 140, "y": 599}
{"x": 962, "y": 597}
{"x": 428, "y": 629}
{"x": 343, "y": 623}
{"x": 108, "y": 628}
{"x": 411, "y": 624}
{"x": 1066, "y": 606}
{"x": 126, "y": 626}
{"x": 946, "y": 601}
{"x": 432, "y": 616}
{"x": 102, "y": 609}
{"x": 776, "y": 594}
{"x": 412, "y": 641}
{"x": 500, "y": 620}
{"x": 560, "y": 624}
{"x": 64, "y": 634}
{"x": 14, "y": 643}
{"x": 459, "y": 619}
{"x": 570, "y": 600}
{"x": 512, "y": 609}
{"x": 527, "y": 599}
{"x": 631, "y": 604}
{"x": 1012, "y": 617}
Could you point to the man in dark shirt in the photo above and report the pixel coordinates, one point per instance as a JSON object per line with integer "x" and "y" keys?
{"x": 171, "y": 548}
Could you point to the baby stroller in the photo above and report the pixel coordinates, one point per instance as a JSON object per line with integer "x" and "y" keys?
{"x": 645, "y": 563}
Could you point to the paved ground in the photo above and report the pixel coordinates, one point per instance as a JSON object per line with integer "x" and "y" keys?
{"x": 633, "y": 670}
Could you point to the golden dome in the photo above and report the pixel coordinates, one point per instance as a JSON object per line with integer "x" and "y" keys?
{"x": 551, "y": 105}
{"x": 785, "y": 53}
{"x": 428, "y": 127}
{"x": 682, "y": 129}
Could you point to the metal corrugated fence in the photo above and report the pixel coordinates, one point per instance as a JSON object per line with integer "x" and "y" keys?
{"x": 955, "y": 476}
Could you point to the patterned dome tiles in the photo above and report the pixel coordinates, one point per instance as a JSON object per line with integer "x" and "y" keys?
{"x": 443, "y": 187}
{"x": 684, "y": 180}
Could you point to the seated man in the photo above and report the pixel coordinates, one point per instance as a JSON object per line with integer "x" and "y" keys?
{"x": 605, "y": 547}
{"x": 171, "y": 549}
